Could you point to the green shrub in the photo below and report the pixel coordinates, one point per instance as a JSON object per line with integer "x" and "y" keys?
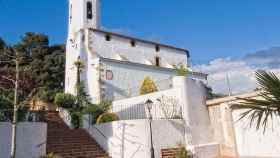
{"x": 47, "y": 95}
{"x": 6, "y": 107}
{"x": 181, "y": 152}
{"x": 6, "y": 110}
{"x": 95, "y": 110}
{"x": 107, "y": 117}
{"x": 65, "y": 100}
{"x": 148, "y": 86}
{"x": 76, "y": 119}
{"x": 51, "y": 155}
{"x": 181, "y": 70}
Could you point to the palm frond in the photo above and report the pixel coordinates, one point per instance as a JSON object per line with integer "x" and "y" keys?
{"x": 262, "y": 110}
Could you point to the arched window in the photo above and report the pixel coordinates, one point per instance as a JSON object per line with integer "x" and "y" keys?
{"x": 89, "y": 10}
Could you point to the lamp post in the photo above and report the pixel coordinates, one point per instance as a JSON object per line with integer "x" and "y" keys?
{"x": 149, "y": 105}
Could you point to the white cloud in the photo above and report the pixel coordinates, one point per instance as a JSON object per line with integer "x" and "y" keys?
{"x": 240, "y": 72}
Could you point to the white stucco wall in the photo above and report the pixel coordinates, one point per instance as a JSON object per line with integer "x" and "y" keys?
{"x": 141, "y": 53}
{"x": 128, "y": 78}
{"x": 31, "y": 139}
{"x": 78, "y": 18}
{"x": 195, "y": 113}
{"x": 237, "y": 138}
{"x": 191, "y": 97}
{"x": 131, "y": 138}
{"x": 252, "y": 142}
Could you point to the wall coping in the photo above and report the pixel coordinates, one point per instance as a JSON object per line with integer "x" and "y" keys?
{"x": 218, "y": 101}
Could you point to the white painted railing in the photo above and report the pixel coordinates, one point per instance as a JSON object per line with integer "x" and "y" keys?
{"x": 65, "y": 116}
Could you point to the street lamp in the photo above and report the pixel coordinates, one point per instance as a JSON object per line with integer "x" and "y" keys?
{"x": 149, "y": 104}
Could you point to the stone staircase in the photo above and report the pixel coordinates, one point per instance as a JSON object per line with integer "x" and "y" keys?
{"x": 70, "y": 143}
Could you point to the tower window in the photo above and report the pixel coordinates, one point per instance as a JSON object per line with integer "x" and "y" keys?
{"x": 157, "y": 61}
{"x": 108, "y": 38}
{"x": 133, "y": 44}
{"x": 157, "y": 48}
{"x": 89, "y": 10}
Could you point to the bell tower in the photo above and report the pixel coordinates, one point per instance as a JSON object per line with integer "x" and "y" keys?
{"x": 83, "y": 14}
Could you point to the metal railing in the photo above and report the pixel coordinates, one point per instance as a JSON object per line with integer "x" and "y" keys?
{"x": 167, "y": 109}
{"x": 6, "y": 115}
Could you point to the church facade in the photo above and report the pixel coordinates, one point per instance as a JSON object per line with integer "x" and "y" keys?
{"x": 114, "y": 64}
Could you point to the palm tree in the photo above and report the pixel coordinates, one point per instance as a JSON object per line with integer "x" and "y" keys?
{"x": 264, "y": 109}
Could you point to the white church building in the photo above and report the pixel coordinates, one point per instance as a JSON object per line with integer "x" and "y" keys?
{"x": 114, "y": 64}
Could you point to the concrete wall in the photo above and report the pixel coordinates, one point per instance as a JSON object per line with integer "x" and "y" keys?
{"x": 191, "y": 96}
{"x": 237, "y": 138}
{"x": 211, "y": 150}
{"x": 31, "y": 140}
{"x": 131, "y": 138}
{"x": 223, "y": 129}
{"x": 251, "y": 142}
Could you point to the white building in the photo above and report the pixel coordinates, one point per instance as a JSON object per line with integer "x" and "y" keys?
{"x": 115, "y": 64}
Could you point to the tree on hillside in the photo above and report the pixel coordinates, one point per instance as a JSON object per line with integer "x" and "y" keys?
{"x": 42, "y": 66}
{"x": 2, "y": 44}
{"x": 263, "y": 110}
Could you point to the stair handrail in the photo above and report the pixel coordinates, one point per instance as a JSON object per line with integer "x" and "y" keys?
{"x": 100, "y": 132}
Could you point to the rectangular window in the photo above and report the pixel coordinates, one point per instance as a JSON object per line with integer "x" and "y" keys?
{"x": 89, "y": 10}
{"x": 108, "y": 38}
{"x": 157, "y": 61}
{"x": 132, "y": 43}
{"x": 157, "y": 48}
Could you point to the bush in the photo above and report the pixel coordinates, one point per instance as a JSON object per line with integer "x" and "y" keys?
{"x": 46, "y": 95}
{"x": 76, "y": 119}
{"x": 107, "y": 117}
{"x": 6, "y": 107}
{"x": 181, "y": 153}
{"x": 65, "y": 100}
{"x": 6, "y": 110}
{"x": 181, "y": 70}
{"x": 148, "y": 86}
{"x": 51, "y": 155}
{"x": 96, "y": 110}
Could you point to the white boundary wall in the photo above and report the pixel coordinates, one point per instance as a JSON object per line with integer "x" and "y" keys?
{"x": 252, "y": 142}
{"x": 131, "y": 138}
{"x": 237, "y": 138}
{"x": 31, "y": 139}
{"x": 191, "y": 96}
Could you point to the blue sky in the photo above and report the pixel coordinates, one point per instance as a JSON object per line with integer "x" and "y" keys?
{"x": 209, "y": 29}
{"x": 226, "y": 37}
